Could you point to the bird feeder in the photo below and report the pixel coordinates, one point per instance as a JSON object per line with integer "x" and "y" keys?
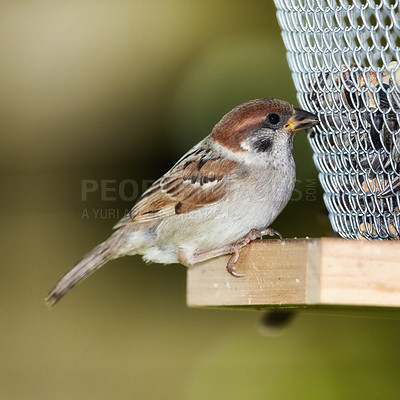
{"x": 344, "y": 57}
{"x": 345, "y": 62}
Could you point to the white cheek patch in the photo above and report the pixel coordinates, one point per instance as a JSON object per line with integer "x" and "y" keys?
{"x": 247, "y": 156}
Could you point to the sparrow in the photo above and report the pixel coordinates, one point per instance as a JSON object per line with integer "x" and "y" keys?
{"x": 223, "y": 193}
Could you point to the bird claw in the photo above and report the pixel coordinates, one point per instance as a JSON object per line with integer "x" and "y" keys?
{"x": 231, "y": 267}
{"x": 270, "y": 232}
{"x": 235, "y": 274}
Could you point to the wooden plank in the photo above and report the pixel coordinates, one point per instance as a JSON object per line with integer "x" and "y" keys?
{"x": 275, "y": 273}
{"x": 301, "y": 273}
{"x": 361, "y": 273}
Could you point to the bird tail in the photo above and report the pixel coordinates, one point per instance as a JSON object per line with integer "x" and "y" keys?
{"x": 90, "y": 263}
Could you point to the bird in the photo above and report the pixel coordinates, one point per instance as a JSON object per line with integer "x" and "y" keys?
{"x": 223, "y": 193}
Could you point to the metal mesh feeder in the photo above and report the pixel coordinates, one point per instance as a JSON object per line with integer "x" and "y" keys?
{"x": 344, "y": 57}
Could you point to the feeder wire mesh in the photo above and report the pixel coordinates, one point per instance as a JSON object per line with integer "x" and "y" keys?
{"x": 344, "y": 56}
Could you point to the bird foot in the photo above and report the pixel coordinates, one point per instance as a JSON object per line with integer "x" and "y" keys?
{"x": 237, "y": 247}
{"x": 270, "y": 232}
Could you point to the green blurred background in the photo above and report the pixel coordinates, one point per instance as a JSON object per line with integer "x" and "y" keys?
{"x": 114, "y": 90}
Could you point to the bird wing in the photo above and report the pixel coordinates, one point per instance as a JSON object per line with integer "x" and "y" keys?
{"x": 196, "y": 180}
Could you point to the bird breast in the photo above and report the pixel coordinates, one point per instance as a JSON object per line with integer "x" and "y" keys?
{"x": 253, "y": 202}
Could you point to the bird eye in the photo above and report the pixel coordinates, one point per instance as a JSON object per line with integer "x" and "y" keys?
{"x": 273, "y": 118}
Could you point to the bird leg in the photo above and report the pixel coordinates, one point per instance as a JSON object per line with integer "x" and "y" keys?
{"x": 233, "y": 248}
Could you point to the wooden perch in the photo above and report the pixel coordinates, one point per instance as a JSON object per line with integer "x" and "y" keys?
{"x": 301, "y": 273}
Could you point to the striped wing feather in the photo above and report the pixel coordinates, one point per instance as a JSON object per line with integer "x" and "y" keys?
{"x": 194, "y": 182}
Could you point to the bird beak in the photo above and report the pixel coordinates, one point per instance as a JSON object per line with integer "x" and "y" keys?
{"x": 301, "y": 120}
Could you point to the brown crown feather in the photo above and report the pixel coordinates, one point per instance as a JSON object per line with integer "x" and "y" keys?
{"x": 247, "y": 117}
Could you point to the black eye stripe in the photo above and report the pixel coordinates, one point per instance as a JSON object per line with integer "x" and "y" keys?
{"x": 273, "y": 118}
